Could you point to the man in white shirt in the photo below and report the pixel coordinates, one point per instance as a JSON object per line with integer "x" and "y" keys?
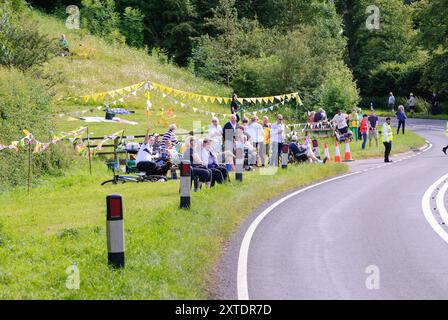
{"x": 145, "y": 161}
{"x": 277, "y": 139}
{"x": 340, "y": 120}
{"x": 256, "y": 132}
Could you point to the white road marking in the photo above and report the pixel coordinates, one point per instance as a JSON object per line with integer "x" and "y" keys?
{"x": 242, "y": 283}
{"x": 426, "y": 206}
{"x": 440, "y": 202}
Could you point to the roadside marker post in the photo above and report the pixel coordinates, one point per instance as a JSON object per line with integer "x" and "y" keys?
{"x": 115, "y": 231}
{"x": 239, "y": 162}
{"x": 185, "y": 184}
{"x": 285, "y": 153}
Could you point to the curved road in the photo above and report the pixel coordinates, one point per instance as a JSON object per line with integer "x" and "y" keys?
{"x": 332, "y": 241}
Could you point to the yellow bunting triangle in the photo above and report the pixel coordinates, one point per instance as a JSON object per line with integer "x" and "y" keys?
{"x": 205, "y": 98}
{"x": 128, "y": 89}
{"x": 240, "y": 100}
{"x": 219, "y": 99}
{"x": 271, "y": 99}
{"x": 212, "y": 99}
{"x": 265, "y": 99}
{"x": 226, "y": 100}
{"x": 86, "y": 98}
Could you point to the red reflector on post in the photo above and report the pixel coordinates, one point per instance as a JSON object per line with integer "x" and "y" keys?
{"x": 185, "y": 169}
{"x": 114, "y": 207}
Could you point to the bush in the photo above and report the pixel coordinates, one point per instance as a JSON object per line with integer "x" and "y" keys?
{"x": 22, "y": 46}
{"x": 338, "y": 91}
{"x": 24, "y": 104}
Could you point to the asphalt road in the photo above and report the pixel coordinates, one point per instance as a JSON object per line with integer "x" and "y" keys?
{"x": 360, "y": 237}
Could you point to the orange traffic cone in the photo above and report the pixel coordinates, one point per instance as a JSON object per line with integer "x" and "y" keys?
{"x": 326, "y": 152}
{"x": 348, "y": 155}
{"x": 337, "y": 152}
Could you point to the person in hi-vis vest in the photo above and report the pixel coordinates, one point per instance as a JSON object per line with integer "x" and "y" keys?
{"x": 446, "y": 147}
{"x": 388, "y": 136}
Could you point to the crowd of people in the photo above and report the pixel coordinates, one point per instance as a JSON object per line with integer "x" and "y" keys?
{"x": 213, "y": 156}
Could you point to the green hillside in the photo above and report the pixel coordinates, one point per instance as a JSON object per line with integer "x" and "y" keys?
{"x": 116, "y": 67}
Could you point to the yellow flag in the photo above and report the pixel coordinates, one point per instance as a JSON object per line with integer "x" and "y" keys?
{"x": 168, "y": 90}
{"x": 240, "y": 100}
{"x": 271, "y": 99}
{"x": 226, "y": 100}
{"x": 220, "y": 100}
{"x": 248, "y": 99}
{"x": 279, "y": 98}
{"x": 86, "y": 99}
{"x": 259, "y": 100}
{"x": 265, "y": 99}
{"x": 205, "y": 98}
{"x": 95, "y": 97}
{"x": 212, "y": 99}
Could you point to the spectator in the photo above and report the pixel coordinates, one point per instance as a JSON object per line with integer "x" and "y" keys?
{"x": 208, "y": 158}
{"x": 340, "y": 121}
{"x": 255, "y": 130}
{"x": 401, "y": 116}
{"x": 229, "y": 133}
{"x": 198, "y": 169}
{"x": 266, "y": 139}
{"x": 300, "y": 153}
{"x": 234, "y": 107}
{"x": 312, "y": 114}
{"x": 391, "y": 102}
{"x": 373, "y": 130}
{"x": 145, "y": 162}
{"x": 434, "y": 103}
{"x": 245, "y": 125}
{"x": 157, "y": 143}
{"x": 63, "y": 44}
{"x": 324, "y": 115}
{"x": 277, "y": 135}
{"x": 387, "y": 140}
{"x": 412, "y": 104}
{"x": 172, "y": 153}
{"x": 215, "y": 133}
{"x": 363, "y": 130}
{"x": 318, "y": 117}
{"x": 354, "y": 123}
{"x": 170, "y": 135}
{"x": 307, "y": 145}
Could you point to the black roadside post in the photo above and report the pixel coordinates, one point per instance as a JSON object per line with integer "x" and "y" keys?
{"x": 115, "y": 231}
{"x": 185, "y": 184}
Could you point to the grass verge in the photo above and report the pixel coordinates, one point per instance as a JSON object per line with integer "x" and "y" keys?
{"x": 169, "y": 252}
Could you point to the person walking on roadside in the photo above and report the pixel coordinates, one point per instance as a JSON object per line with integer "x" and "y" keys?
{"x": 388, "y": 137}
{"x": 412, "y": 104}
{"x": 373, "y": 130}
{"x": 363, "y": 130}
{"x": 434, "y": 103}
{"x": 391, "y": 102}
{"x": 401, "y": 116}
{"x": 446, "y": 147}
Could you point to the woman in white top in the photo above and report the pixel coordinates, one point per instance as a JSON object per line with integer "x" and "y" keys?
{"x": 215, "y": 133}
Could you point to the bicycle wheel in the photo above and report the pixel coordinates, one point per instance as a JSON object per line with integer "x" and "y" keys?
{"x": 108, "y": 181}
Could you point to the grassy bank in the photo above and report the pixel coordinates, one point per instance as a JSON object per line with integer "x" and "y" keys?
{"x": 169, "y": 251}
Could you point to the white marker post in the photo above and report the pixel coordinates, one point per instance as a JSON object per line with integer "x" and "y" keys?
{"x": 115, "y": 231}
{"x": 185, "y": 184}
{"x": 239, "y": 162}
{"x": 285, "y": 153}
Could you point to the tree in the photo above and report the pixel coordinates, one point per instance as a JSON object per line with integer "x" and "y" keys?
{"x": 132, "y": 27}
{"x": 434, "y": 37}
{"x": 100, "y": 17}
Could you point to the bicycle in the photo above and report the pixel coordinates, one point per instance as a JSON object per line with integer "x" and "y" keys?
{"x": 140, "y": 177}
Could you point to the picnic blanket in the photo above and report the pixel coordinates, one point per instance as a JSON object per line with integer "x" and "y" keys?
{"x": 102, "y": 119}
